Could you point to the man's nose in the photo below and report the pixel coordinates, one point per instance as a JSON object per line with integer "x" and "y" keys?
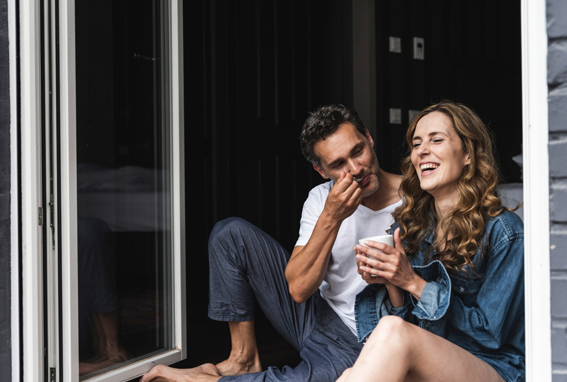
{"x": 354, "y": 167}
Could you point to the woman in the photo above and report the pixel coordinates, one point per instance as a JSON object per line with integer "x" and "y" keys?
{"x": 447, "y": 303}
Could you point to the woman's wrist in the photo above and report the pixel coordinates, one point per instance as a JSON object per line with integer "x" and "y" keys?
{"x": 415, "y": 288}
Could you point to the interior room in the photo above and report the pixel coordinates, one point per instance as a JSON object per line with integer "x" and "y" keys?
{"x": 253, "y": 69}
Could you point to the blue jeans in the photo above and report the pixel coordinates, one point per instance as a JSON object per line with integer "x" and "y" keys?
{"x": 246, "y": 265}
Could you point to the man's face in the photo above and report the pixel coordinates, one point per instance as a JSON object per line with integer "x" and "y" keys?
{"x": 348, "y": 151}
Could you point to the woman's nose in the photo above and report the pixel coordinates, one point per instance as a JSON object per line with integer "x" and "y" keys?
{"x": 422, "y": 149}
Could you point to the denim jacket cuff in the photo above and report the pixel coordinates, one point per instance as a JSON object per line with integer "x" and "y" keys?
{"x": 436, "y": 296}
{"x": 370, "y": 305}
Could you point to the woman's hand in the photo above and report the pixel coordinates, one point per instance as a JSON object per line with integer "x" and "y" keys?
{"x": 366, "y": 276}
{"x": 395, "y": 293}
{"x": 389, "y": 264}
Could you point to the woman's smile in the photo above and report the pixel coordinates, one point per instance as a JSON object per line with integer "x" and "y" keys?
{"x": 428, "y": 168}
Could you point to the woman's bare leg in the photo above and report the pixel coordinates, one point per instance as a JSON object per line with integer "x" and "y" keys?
{"x": 398, "y": 351}
{"x": 344, "y": 376}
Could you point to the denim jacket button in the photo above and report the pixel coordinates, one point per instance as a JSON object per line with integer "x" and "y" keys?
{"x": 461, "y": 289}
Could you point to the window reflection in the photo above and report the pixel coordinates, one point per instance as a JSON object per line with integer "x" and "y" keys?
{"x": 123, "y": 177}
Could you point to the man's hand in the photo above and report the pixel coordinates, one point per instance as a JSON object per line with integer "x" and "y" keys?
{"x": 344, "y": 198}
{"x": 308, "y": 264}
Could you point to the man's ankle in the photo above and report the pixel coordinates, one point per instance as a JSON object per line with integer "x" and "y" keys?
{"x": 237, "y": 364}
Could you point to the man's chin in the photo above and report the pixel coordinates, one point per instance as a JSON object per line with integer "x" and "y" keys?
{"x": 370, "y": 189}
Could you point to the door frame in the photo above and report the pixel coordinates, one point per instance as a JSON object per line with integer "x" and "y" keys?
{"x": 26, "y": 118}
{"x": 535, "y": 132}
{"x": 30, "y": 333}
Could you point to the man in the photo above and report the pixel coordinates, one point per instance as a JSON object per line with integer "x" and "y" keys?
{"x": 308, "y": 297}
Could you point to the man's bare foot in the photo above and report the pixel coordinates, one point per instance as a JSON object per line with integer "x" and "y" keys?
{"x": 161, "y": 373}
{"x": 237, "y": 366}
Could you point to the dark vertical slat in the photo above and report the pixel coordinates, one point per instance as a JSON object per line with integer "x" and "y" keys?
{"x": 284, "y": 62}
{"x": 266, "y": 72}
{"x": 416, "y": 94}
{"x": 300, "y": 62}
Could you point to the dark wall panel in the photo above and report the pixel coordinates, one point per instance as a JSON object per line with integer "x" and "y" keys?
{"x": 5, "y": 184}
{"x": 254, "y": 69}
{"x": 472, "y": 55}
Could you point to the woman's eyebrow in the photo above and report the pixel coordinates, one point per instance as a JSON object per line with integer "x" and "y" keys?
{"x": 430, "y": 134}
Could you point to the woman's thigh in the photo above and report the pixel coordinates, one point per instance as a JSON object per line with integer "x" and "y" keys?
{"x": 433, "y": 358}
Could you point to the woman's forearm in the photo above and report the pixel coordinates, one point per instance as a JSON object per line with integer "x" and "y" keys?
{"x": 396, "y": 295}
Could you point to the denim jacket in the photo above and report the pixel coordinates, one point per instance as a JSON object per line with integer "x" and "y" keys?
{"x": 481, "y": 311}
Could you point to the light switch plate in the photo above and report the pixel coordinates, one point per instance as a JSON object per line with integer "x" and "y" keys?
{"x": 418, "y": 48}
{"x": 395, "y": 116}
{"x": 412, "y": 114}
{"x": 395, "y": 44}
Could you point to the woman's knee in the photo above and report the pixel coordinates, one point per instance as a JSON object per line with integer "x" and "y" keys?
{"x": 392, "y": 324}
{"x": 391, "y": 331}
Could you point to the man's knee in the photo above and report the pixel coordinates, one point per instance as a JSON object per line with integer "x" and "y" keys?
{"x": 227, "y": 238}
{"x": 224, "y": 231}
{"x": 227, "y": 227}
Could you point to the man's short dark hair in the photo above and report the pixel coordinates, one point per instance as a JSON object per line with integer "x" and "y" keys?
{"x": 323, "y": 122}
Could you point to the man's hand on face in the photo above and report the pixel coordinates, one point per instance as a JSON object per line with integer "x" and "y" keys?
{"x": 344, "y": 198}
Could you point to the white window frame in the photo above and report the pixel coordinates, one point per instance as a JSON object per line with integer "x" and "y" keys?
{"x": 535, "y": 132}
{"x": 31, "y": 185}
{"x": 31, "y": 259}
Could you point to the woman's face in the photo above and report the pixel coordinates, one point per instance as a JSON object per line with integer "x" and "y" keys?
{"x": 438, "y": 156}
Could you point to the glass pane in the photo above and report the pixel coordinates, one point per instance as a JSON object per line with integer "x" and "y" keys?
{"x": 123, "y": 182}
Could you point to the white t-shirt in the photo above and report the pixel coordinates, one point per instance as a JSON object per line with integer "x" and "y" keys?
{"x": 342, "y": 281}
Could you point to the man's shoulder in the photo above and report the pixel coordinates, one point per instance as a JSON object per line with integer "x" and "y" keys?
{"x": 317, "y": 197}
{"x": 322, "y": 189}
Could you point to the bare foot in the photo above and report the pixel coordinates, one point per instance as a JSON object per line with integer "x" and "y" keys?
{"x": 237, "y": 366}
{"x": 161, "y": 373}
{"x": 344, "y": 376}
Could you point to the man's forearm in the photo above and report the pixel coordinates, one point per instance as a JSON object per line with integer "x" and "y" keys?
{"x": 308, "y": 265}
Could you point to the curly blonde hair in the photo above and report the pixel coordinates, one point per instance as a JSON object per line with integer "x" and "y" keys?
{"x": 465, "y": 225}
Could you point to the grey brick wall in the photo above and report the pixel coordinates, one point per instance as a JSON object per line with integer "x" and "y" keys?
{"x": 557, "y": 82}
{"x": 5, "y": 296}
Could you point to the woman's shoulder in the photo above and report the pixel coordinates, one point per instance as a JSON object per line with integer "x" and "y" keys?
{"x": 506, "y": 225}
